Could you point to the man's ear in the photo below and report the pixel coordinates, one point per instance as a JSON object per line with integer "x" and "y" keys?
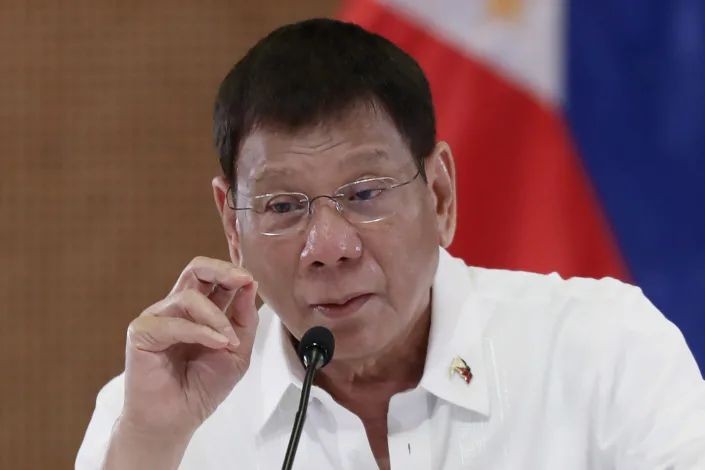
{"x": 440, "y": 175}
{"x": 227, "y": 217}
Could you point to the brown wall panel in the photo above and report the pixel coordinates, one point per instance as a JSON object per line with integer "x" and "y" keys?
{"x": 105, "y": 168}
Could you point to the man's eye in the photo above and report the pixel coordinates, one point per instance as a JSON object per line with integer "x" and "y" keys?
{"x": 280, "y": 207}
{"x": 366, "y": 194}
{"x": 283, "y": 205}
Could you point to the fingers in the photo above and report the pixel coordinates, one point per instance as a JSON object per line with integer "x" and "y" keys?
{"x": 221, "y": 296}
{"x": 212, "y": 304}
{"x": 242, "y": 311}
{"x": 243, "y": 315}
{"x": 196, "y": 307}
{"x": 155, "y": 334}
{"x": 203, "y": 273}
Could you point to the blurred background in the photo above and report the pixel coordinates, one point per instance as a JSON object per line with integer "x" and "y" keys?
{"x": 578, "y": 129}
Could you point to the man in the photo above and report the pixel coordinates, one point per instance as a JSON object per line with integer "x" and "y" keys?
{"x": 337, "y": 204}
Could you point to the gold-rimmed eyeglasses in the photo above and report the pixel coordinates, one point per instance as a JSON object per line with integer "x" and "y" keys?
{"x": 360, "y": 202}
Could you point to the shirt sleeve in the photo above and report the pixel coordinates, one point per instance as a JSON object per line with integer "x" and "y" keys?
{"x": 652, "y": 394}
{"x": 108, "y": 407}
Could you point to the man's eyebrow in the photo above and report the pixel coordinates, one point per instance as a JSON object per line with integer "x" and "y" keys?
{"x": 357, "y": 158}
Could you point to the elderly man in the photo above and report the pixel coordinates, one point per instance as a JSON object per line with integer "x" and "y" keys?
{"x": 337, "y": 203}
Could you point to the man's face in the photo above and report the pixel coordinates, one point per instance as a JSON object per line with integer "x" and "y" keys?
{"x": 368, "y": 283}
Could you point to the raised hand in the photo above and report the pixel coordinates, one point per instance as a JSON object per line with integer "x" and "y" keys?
{"x": 184, "y": 355}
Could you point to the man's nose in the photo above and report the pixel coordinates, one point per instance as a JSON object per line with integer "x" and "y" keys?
{"x": 330, "y": 240}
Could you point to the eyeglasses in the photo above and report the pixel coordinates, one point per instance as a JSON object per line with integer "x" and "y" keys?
{"x": 360, "y": 202}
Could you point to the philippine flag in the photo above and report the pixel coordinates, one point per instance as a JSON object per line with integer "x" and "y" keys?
{"x": 578, "y": 128}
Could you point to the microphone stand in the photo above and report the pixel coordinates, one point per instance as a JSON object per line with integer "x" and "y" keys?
{"x": 311, "y": 368}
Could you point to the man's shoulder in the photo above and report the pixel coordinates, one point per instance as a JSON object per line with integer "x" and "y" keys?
{"x": 578, "y": 328}
{"x": 579, "y": 315}
{"x": 516, "y": 285}
{"x": 587, "y": 309}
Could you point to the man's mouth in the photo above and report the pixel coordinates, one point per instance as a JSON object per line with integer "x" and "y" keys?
{"x": 343, "y": 306}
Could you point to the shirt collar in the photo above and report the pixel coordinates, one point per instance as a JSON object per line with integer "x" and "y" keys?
{"x": 458, "y": 321}
{"x": 457, "y": 324}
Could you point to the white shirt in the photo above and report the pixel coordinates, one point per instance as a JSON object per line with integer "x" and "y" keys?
{"x": 567, "y": 374}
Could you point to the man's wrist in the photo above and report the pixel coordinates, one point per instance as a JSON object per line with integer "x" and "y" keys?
{"x": 133, "y": 446}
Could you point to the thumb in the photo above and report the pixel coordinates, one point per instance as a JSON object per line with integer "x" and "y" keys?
{"x": 242, "y": 312}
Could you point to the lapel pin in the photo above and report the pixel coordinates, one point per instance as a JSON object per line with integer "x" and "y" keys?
{"x": 460, "y": 367}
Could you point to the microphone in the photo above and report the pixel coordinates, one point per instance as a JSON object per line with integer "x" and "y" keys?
{"x": 315, "y": 351}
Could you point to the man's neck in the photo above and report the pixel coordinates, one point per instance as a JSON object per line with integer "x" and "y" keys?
{"x": 366, "y": 386}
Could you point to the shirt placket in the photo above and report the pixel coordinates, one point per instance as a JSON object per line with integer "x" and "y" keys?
{"x": 409, "y": 434}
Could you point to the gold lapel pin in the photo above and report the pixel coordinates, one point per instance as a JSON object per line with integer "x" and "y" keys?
{"x": 460, "y": 367}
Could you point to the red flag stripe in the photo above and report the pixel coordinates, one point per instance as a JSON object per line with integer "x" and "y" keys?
{"x": 525, "y": 201}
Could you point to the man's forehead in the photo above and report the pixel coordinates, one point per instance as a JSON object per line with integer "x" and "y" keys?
{"x": 346, "y": 143}
{"x": 366, "y": 157}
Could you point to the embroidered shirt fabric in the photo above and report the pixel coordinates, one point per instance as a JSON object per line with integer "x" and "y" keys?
{"x": 578, "y": 373}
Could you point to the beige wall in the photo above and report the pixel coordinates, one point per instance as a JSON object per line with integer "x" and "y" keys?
{"x": 105, "y": 167}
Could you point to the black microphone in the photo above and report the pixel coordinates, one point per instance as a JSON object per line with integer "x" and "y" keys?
{"x": 315, "y": 350}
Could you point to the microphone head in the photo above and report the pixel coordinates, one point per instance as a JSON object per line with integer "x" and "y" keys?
{"x": 318, "y": 337}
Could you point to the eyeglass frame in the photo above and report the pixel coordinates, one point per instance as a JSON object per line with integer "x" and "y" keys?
{"x": 229, "y": 196}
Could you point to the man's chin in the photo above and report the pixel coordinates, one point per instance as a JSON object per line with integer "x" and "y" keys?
{"x": 356, "y": 346}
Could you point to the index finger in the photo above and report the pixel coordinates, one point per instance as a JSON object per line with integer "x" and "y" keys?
{"x": 203, "y": 274}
